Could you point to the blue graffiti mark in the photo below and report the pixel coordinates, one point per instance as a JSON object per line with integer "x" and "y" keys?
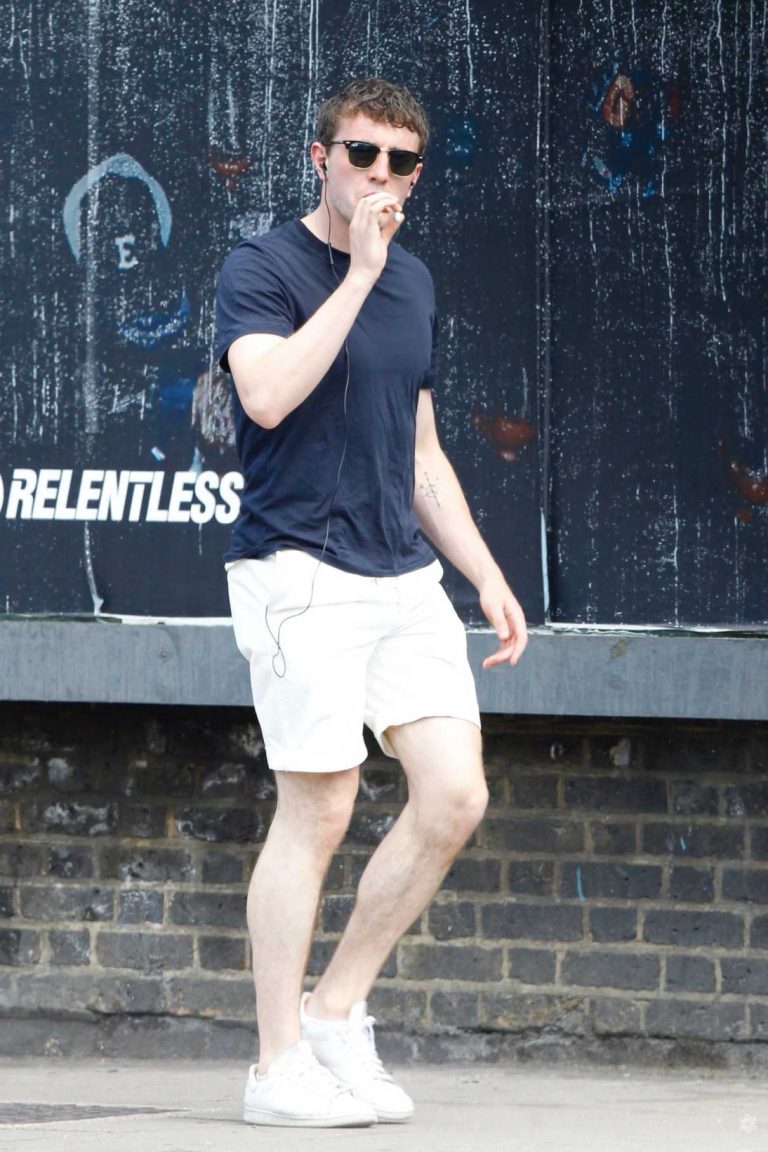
{"x": 635, "y": 112}
{"x": 579, "y": 886}
{"x": 156, "y": 327}
{"x": 460, "y": 139}
{"x": 174, "y": 392}
{"x": 683, "y": 844}
{"x": 121, "y": 164}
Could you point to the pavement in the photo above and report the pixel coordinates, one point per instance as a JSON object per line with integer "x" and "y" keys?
{"x": 190, "y": 1106}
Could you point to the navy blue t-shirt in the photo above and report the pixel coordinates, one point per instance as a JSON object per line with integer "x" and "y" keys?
{"x": 273, "y": 284}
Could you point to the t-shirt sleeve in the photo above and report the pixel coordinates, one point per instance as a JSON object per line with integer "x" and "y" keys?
{"x": 430, "y": 376}
{"x": 250, "y": 299}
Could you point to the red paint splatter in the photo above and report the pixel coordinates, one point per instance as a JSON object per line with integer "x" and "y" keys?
{"x": 751, "y": 485}
{"x": 505, "y": 435}
{"x": 618, "y": 101}
{"x": 230, "y": 167}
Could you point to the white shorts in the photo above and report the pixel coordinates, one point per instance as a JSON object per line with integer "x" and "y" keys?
{"x": 330, "y": 651}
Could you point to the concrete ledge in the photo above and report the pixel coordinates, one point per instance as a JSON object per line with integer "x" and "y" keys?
{"x": 563, "y": 673}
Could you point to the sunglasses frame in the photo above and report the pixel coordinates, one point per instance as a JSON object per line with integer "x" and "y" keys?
{"x": 376, "y": 150}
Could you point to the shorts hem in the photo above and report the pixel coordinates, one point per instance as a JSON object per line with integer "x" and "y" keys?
{"x": 379, "y": 729}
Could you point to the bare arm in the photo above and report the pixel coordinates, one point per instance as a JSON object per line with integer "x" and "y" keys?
{"x": 445, "y": 518}
{"x": 274, "y": 374}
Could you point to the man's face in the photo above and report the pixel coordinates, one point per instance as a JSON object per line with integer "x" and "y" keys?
{"x": 345, "y": 185}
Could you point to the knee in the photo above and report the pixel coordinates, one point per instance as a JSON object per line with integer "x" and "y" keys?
{"x": 453, "y": 816}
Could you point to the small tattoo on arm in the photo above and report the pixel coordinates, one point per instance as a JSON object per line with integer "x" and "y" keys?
{"x": 429, "y": 488}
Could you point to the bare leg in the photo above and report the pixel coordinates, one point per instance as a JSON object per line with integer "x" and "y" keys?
{"x": 447, "y": 796}
{"x": 310, "y": 821}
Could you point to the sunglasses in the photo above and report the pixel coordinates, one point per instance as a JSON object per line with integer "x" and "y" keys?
{"x": 362, "y": 155}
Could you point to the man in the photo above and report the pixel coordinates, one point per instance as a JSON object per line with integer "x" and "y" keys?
{"x": 327, "y": 328}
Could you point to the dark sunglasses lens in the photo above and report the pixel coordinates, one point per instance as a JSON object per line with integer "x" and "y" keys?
{"x": 401, "y": 162}
{"x": 361, "y": 155}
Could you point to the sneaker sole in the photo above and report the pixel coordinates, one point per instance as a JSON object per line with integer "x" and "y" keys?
{"x": 277, "y": 1120}
{"x": 394, "y": 1117}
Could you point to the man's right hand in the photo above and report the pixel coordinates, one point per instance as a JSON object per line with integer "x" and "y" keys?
{"x": 371, "y": 228}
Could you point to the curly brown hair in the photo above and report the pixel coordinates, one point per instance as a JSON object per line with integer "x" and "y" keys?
{"x": 377, "y": 99}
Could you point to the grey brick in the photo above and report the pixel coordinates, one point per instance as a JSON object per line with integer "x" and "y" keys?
{"x": 542, "y": 837}
{"x": 533, "y": 791}
{"x": 613, "y": 837}
{"x": 57, "y": 902}
{"x": 73, "y": 993}
{"x": 449, "y": 962}
{"x": 70, "y": 863}
{"x": 759, "y": 838}
{"x": 68, "y": 776}
{"x": 149, "y": 864}
{"x": 227, "y": 779}
{"x": 140, "y": 906}
{"x": 531, "y": 965}
{"x": 7, "y": 820}
{"x": 242, "y": 825}
{"x": 402, "y": 1008}
{"x": 693, "y": 928}
{"x": 454, "y": 919}
{"x": 382, "y": 785}
{"x": 690, "y": 798}
{"x": 612, "y": 1016}
{"x": 21, "y": 860}
{"x": 533, "y": 921}
{"x": 535, "y": 1012}
{"x": 224, "y": 909}
{"x": 699, "y": 1019}
{"x": 336, "y": 911}
{"x": 72, "y": 817}
{"x": 615, "y": 794}
{"x": 619, "y": 880}
{"x": 222, "y": 868}
{"x": 225, "y": 998}
{"x": 151, "y": 952}
{"x": 455, "y": 1009}
{"x": 612, "y": 924}
{"x": 513, "y": 750}
{"x": 370, "y": 827}
{"x": 758, "y": 1014}
{"x": 530, "y": 877}
{"x": 745, "y": 976}
{"x": 7, "y": 903}
{"x": 20, "y": 777}
{"x": 681, "y": 751}
{"x": 666, "y": 839}
{"x": 758, "y": 937}
{"x": 147, "y": 821}
{"x": 157, "y": 778}
{"x": 635, "y": 970}
{"x": 746, "y": 799}
{"x": 467, "y": 875}
{"x": 690, "y": 974}
{"x": 222, "y": 952}
{"x": 69, "y": 948}
{"x": 748, "y": 884}
{"x": 692, "y": 884}
{"x": 19, "y": 946}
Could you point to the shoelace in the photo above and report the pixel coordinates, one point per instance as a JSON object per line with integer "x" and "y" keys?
{"x": 361, "y": 1040}
{"x": 312, "y": 1070}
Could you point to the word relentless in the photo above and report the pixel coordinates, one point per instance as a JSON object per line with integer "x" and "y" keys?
{"x": 136, "y": 496}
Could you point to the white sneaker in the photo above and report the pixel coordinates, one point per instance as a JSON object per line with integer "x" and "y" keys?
{"x": 297, "y": 1092}
{"x": 347, "y": 1048}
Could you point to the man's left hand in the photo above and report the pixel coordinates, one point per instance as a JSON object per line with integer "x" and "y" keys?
{"x": 506, "y": 617}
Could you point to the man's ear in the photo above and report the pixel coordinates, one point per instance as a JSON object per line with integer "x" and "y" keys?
{"x": 319, "y": 159}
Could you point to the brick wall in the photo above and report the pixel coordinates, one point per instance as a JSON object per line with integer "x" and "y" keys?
{"x": 614, "y": 904}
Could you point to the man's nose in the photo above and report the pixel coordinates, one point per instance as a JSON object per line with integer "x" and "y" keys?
{"x": 380, "y": 167}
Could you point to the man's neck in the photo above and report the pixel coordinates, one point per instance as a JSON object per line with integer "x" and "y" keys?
{"x": 317, "y": 223}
